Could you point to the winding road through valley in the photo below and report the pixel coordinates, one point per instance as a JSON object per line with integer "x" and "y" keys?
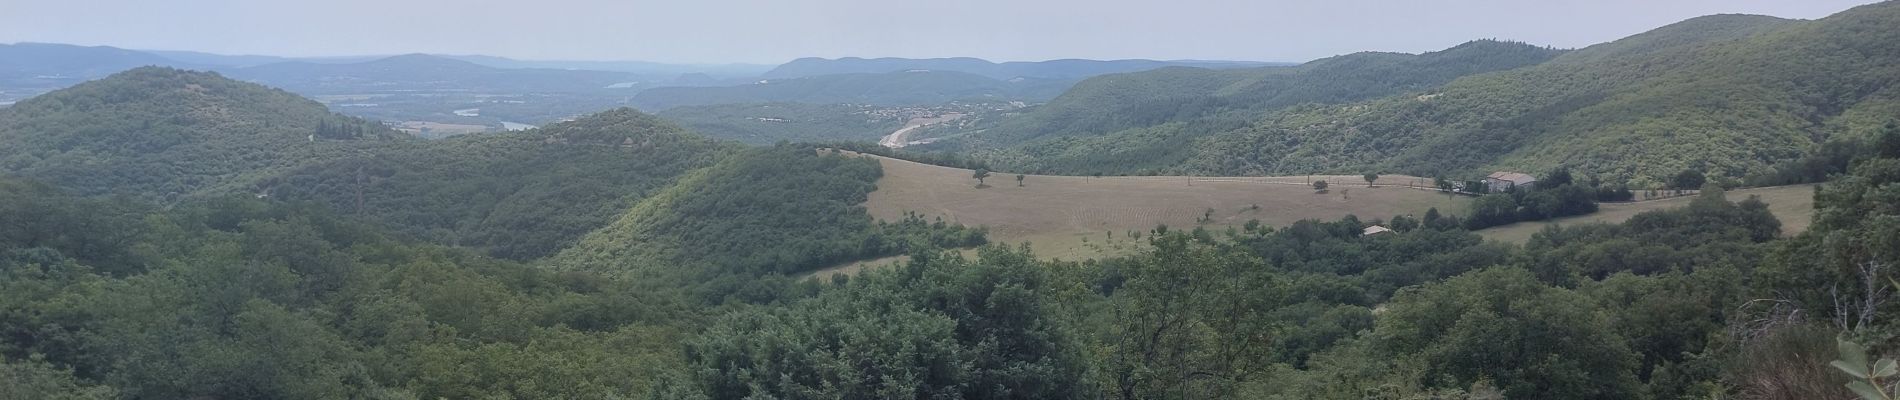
{"x": 900, "y": 138}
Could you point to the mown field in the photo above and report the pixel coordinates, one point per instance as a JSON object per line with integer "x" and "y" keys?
{"x": 1793, "y": 204}
{"x": 1078, "y": 217}
{"x": 1073, "y": 217}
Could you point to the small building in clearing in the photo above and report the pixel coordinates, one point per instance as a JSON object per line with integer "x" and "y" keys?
{"x": 1504, "y": 181}
{"x": 1374, "y": 230}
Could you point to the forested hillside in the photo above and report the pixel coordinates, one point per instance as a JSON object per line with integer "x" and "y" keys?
{"x": 1716, "y": 94}
{"x": 519, "y": 195}
{"x": 1145, "y": 122}
{"x": 246, "y": 298}
{"x": 175, "y": 136}
{"x": 772, "y": 211}
{"x": 1732, "y": 95}
{"x": 164, "y": 134}
{"x": 1113, "y": 103}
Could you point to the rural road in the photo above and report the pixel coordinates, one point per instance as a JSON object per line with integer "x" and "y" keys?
{"x": 897, "y": 139}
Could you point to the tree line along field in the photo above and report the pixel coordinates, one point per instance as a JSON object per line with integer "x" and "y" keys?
{"x": 1074, "y": 217}
{"x": 1792, "y": 204}
{"x": 1087, "y": 217}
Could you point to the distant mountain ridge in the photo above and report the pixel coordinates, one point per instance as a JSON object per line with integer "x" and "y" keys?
{"x": 891, "y": 88}
{"x": 422, "y": 71}
{"x": 1117, "y": 102}
{"x": 1728, "y": 95}
{"x": 1052, "y": 69}
{"x": 637, "y": 67}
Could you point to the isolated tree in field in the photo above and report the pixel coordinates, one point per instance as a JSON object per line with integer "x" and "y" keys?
{"x": 1019, "y": 180}
{"x": 979, "y": 175}
{"x": 1370, "y": 178}
{"x": 1442, "y": 184}
{"x": 1319, "y": 185}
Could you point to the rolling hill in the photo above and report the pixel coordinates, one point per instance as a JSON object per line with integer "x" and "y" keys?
{"x": 1727, "y": 94}
{"x": 164, "y": 134}
{"x": 519, "y": 195}
{"x": 1140, "y": 122}
{"x": 1125, "y": 101}
{"x": 173, "y": 137}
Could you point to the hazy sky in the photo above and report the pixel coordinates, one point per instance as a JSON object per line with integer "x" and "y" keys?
{"x": 761, "y": 31}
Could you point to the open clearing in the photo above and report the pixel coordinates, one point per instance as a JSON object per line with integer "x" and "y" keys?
{"x": 1071, "y": 217}
{"x": 1793, "y": 205}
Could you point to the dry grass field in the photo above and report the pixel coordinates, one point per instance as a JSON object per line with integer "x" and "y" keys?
{"x": 1793, "y": 204}
{"x": 1071, "y": 217}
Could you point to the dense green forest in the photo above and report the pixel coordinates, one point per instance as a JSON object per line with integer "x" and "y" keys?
{"x": 164, "y": 134}
{"x": 519, "y": 195}
{"x": 1730, "y": 94}
{"x": 243, "y": 298}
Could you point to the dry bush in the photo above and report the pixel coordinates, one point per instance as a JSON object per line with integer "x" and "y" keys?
{"x": 1790, "y": 363}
